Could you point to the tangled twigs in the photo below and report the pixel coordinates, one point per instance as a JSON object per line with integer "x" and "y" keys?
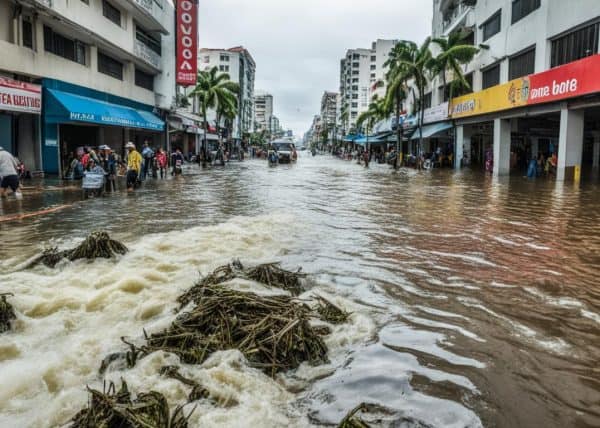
{"x": 7, "y": 313}
{"x": 96, "y": 245}
{"x": 352, "y": 420}
{"x": 116, "y": 409}
{"x": 197, "y": 393}
{"x": 330, "y": 312}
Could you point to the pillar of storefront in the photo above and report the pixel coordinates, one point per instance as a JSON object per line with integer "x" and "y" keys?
{"x": 596, "y": 152}
{"x": 463, "y": 144}
{"x": 570, "y": 144}
{"x": 535, "y": 147}
{"x": 502, "y": 146}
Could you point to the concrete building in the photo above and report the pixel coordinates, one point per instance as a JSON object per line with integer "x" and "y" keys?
{"x": 535, "y": 86}
{"x": 329, "y": 109}
{"x": 360, "y": 71}
{"x": 263, "y": 110}
{"x": 240, "y": 66}
{"x": 94, "y": 71}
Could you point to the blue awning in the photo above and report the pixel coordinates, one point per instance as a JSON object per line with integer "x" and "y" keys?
{"x": 431, "y": 130}
{"x": 65, "y": 107}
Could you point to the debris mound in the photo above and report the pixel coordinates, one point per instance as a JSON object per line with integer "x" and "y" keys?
{"x": 352, "y": 420}
{"x": 96, "y": 245}
{"x": 273, "y": 332}
{"x": 116, "y": 409}
{"x": 7, "y": 313}
{"x": 198, "y": 392}
{"x": 331, "y": 313}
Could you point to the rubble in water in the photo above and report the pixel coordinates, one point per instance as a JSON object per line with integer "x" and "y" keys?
{"x": 7, "y": 313}
{"x": 116, "y": 409}
{"x": 96, "y": 245}
{"x": 331, "y": 313}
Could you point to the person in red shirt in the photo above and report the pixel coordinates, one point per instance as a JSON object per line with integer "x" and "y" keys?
{"x": 161, "y": 162}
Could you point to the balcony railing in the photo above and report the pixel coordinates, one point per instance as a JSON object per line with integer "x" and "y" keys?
{"x": 47, "y": 3}
{"x": 147, "y": 5}
{"x": 144, "y": 52}
{"x": 458, "y": 13}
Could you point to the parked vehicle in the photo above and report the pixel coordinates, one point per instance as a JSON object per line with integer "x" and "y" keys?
{"x": 286, "y": 151}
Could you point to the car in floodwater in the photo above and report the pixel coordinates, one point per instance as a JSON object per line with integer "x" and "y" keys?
{"x": 286, "y": 151}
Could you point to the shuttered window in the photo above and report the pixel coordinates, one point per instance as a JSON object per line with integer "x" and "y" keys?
{"x": 522, "y": 8}
{"x": 110, "y": 66}
{"x": 575, "y": 45}
{"x": 490, "y": 77}
{"x": 492, "y": 26}
{"x": 522, "y": 64}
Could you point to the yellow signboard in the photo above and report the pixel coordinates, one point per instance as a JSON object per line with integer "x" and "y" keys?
{"x": 501, "y": 97}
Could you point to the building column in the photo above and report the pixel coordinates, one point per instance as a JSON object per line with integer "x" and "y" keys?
{"x": 502, "y": 142}
{"x": 596, "y": 153}
{"x": 570, "y": 144}
{"x": 535, "y": 147}
{"x": 462, "y": 144}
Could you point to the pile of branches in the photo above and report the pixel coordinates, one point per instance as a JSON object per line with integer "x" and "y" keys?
{"x": 273, "y": 332}
{"x": 352, "y": 420}
{"x": 269, "y": 274}
{"x": 96, "y": 245}
{"x": 331, "y": 313}
{"x": 7, "y": 313}
{"x": 116, "y": 409}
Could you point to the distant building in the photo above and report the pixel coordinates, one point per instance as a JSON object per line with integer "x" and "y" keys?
{"x": 240, "y": 66}
{"x": 263, "y": 110}
{"x": 329, "y": 109}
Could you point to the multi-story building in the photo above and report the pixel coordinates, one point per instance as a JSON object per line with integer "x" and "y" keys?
{"x": 329, "y": 109}
{"x": 535, "y": 88}
{"x": 263, "y": 110}
{"x": 240, "y": 66}
{"x": 360, "y": 72}
{"x": 274, "y": 126}
{"x": 83, "y": 73}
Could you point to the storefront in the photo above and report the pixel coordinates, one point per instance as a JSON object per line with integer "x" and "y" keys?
{"x": 20, "y": 109}
{"x": 76, "y": 117}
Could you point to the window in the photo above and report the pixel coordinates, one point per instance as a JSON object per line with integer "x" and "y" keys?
{"x": 354, "y": 96}
{"x": 354, "y": 105}
{"x": 373, "y": 76}
{"x": 355, "y": 80}
{"x": 373, "y": 67}
{"x": 355, "y": 64}
{"x": 490, "y": 77}
{"x": 373, "y": 58}
{"x": 59, "y": 45}
{"x": 27, "y": 33}
{"x": 353, "y": 115}
{"x": 575, "y": 45}
{"x": 522, "y": 64}
{"x": 224, "y": 68}
{"x": 110, "y": 12}
{"x": 224, "y": 58}
{"x": 356, "y": 56}
{"x": 147, "y": 39}
{"x": 355, "y": 88}
{"x": 522, "y": 8}
{"x": 355, "y": 72}
{"x": 86, "y": 2}
{"x": 427, "y": 100}
{"x": 110, "y": 66}
{"x": 144, "y": 80}
{"x": 492, "y": 25}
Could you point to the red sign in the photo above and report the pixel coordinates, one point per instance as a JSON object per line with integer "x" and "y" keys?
{"x": 187, "y": 42}
{"x": 567, "y": 81}
{"x": 20, "y": 96}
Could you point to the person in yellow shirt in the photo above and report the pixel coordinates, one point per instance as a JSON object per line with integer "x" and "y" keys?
{"x": 134, "y": 165}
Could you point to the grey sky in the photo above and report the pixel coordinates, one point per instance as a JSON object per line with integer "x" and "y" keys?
{"x": 298, "y": 44}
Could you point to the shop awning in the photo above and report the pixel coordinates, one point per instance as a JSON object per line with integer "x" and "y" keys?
{"x": 431, "y": 130}
{"x": 63, "y": 107}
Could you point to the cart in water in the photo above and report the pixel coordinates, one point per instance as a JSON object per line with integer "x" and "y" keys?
{"x": 92, "y": 184}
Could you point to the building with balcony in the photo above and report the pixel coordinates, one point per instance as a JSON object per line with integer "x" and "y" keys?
{"x": 533, "y": 85}
{"x": 103, "y": 69}
{"x": 329, "y": 109}
{"x": 240, "y": 66}
{"x": 263, "y": 110}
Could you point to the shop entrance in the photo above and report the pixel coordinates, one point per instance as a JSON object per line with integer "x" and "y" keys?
{"x": 482, "y": 140}
{"x": 74, "y": 137}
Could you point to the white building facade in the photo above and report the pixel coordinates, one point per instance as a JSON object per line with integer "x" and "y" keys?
{"x": 105, "y": 69}
{"x": 263, "y": 110}
{"x": 534, "y": 89}
{"x": 240, "y": 66}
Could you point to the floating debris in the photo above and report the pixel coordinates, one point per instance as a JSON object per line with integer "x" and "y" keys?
{"x": 273, "y": 332}
{"x": 331, "y": 313}
{"x": 352, "y": 420}
{"x": 7, "y": 313}
{"x": 116, "y": 409}
{"x": 96, "y": 245}
{"x": 198, "y": 392}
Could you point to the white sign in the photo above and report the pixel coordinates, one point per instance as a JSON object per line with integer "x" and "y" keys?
{"x": 20, "y": 96}
{"x": 436, "y": 114}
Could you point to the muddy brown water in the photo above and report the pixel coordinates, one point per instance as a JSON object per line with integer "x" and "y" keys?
{"x": 484, "y": 293}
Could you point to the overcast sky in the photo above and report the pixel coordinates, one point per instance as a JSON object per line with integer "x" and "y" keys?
{"x": 298, "y": 44}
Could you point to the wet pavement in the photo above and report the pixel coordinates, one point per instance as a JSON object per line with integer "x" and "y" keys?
{"x": 475, "y": 300}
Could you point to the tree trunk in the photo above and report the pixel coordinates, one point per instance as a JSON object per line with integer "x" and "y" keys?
{"x": 421, "y": 118}
{"x": 398, "y": 129}
{"x": 204, "y": 151}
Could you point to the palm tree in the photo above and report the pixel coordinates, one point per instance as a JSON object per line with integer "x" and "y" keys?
{"x": 227, "y": 110}
{"x": 378, "y": 110}
{"x": 453, "y": 53}
{"x": 211, "y": 89}
{"x": 410, "y": 62}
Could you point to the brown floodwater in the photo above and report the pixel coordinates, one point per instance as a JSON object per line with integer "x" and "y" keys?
{"x": 483, "y": 294}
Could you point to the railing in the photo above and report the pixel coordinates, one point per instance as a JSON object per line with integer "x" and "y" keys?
{"x": 144, "y": 52}
{"x": 145, "y": 4}
{"x": 457, "y": 13}
{"x": 47, "y": 3}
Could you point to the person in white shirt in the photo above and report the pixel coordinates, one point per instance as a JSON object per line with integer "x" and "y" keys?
{"x": 8, "y": 174}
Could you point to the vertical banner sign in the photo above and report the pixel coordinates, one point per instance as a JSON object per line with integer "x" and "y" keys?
{"x": 187, "y": 42}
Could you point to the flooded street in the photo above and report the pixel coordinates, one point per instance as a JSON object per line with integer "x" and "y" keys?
{"x": 475, "y": 301}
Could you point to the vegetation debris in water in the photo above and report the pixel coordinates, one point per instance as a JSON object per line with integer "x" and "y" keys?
{"x": 116, "y": 409}
{"x": 330, "y": 312}
{"x": 7, "y": 313}
{"x": 273, "y": 332}
{"x": 352, "y": 420}
{"x": 198, "y": 392}
{"x": 96, "y": 245}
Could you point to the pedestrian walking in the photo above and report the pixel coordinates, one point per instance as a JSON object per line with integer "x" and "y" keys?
{"x": 9, "y": 176}
{"x": 108, "y": 162}
{"x": 161, "y": 162}
{"x": 134, "y": 166}
{"x": 177, "y": 162}
{"x": 147, "y": 154}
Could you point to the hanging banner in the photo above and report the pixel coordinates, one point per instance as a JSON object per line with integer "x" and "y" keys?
{"x": 567, "y": 81}
{"x": 187, "y": 42}
{"x": 20, "y": 96}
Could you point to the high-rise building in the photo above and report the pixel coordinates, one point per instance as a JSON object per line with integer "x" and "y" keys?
{"x": 329, "y": 109}
{"x": 240, "y": 66}
{"x": 88, "y": 72}
{"x": 263, "y": 110}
